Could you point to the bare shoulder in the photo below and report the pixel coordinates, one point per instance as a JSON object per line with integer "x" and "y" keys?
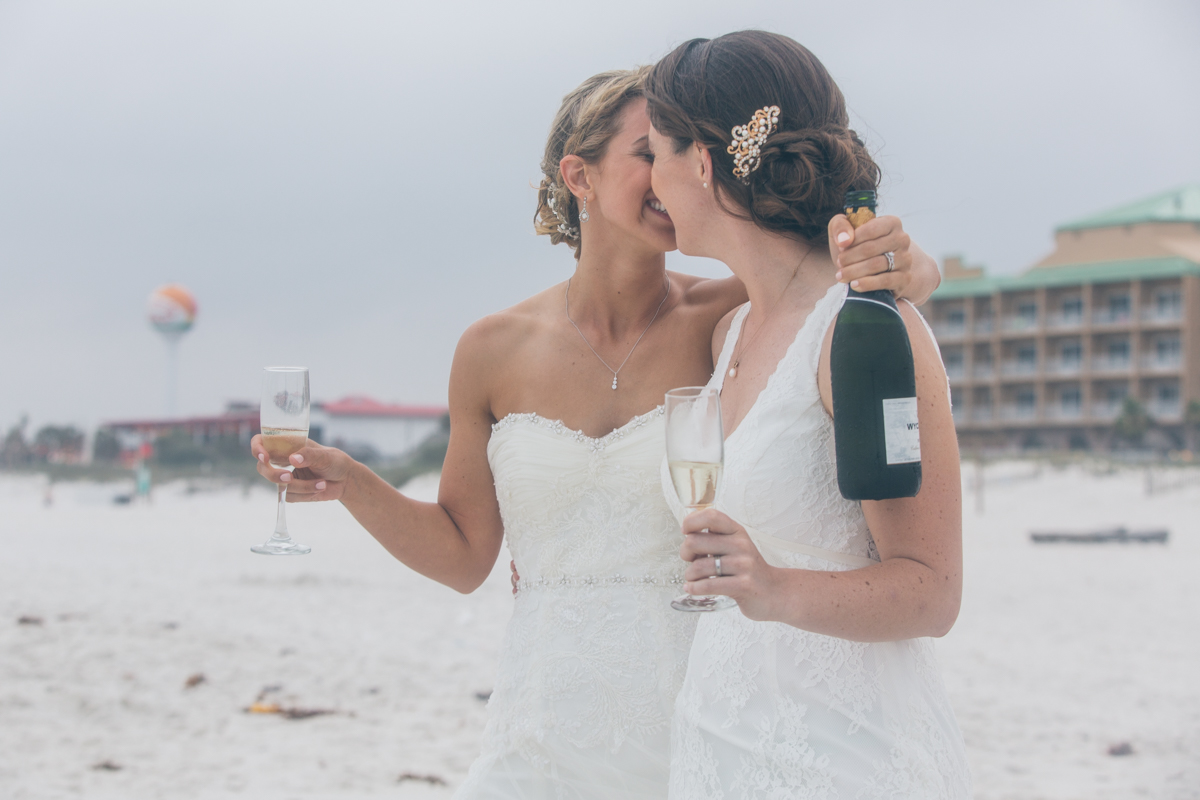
{"x": 718, "y": 294}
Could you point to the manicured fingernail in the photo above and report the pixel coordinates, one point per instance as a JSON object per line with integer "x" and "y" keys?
{"x": 298, "y": 458}
{"x": 262, "y": 457}
{"x": 843, "y": 237}
{"x": 853, "y": 284}
{"x": 285, "y": 477}
{"x": 839, "y": 275}
{"x": 320, "y": 486}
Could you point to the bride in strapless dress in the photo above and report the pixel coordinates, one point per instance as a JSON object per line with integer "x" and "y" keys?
{"x": 555, "y": 441}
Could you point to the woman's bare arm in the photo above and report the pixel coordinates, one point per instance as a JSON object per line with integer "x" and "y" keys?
{"x": 914, "y": 591}
{"x": 454, "y": 541}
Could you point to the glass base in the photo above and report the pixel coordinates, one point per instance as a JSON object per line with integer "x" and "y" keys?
{"x": 703, "y": 602}
{"x": 281, "y": 547}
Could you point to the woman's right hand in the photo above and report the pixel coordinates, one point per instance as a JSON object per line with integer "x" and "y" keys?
{"x": 320, "y": 474}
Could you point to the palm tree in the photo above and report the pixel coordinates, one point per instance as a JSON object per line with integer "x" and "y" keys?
{"x": 1132, "y": 423}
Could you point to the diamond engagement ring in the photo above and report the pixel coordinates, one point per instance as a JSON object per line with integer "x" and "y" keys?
{"x": 891, "y": 261}
{"x": 717, "y": 564}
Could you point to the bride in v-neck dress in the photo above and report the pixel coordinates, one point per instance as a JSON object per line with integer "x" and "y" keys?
{"x": 556, "y": 434}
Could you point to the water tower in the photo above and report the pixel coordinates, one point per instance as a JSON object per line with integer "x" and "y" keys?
{"x": 172, "y": 312}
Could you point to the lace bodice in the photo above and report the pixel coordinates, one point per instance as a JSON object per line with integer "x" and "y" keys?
{"x": 772, "y": 711}
{"x": 594, "y": 654}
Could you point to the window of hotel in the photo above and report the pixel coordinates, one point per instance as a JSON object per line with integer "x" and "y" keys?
{"x": 1027, "y": 310}
{"x": 1168, "y": 302}
{"x": 1071, "y": 398}
{"x": 1118, "y": 349}
{"x": 1167, "y": 394}
{"x": 1027, "y": 355}
{"x": 955, "y": 317}
{"x": 1026, "y": 400}
{"x": 1071, "y": 352}
{"x": 1116, "y": 394}
{"x": 1167, "y": 348}
{"x": 1118, "y": 306}
{"x": 1072, "y": 308}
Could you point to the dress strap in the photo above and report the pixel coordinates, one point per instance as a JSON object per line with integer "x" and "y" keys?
{"x": 731, "y": 337}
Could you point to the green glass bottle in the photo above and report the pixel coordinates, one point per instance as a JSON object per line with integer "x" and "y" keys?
{"x": 875, "y": 426}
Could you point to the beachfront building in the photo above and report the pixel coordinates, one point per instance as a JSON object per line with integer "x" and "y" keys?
{"x": 368, "y": 428}
{"x": 1048, "y": 357}
{"x": 361, "y": 425}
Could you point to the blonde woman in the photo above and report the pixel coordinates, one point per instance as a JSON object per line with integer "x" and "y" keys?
{"x": 822, "y": 683}
{"x": 556, "y": 437}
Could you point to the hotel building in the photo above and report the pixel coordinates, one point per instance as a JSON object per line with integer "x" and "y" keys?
{"x": 1047, "y": 357}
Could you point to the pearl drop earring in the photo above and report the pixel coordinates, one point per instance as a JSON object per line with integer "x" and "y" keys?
{"x": 583, "y": 215}
{"x": 706, "y": 184}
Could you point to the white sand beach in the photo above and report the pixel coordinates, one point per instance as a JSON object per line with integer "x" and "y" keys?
{"x": 1061, "y": 651}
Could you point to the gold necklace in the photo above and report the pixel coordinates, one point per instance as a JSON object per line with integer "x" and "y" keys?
{"x": 741, "y": 351}
{"x": 567, "y": 303}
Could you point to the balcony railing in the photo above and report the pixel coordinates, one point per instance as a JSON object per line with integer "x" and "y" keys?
{"x": 1020, "y": 412}
{"x": 1166, "y": 411}
{"x": 1111, "y": 364}
{"x": 1064, "y": 366}
{"x": 1161, "y": 316}
{"x": 983, "y": 371}
{"x": 1112, "y": 318}
{"x": 1018, "y": 368}
{"x": 1106, "y": 409}
{"x": 1060, "y": 322}
{"x": 981, "y": 414}
{"x": 983, "y": 325}
{"x": 1157, "y": 363}
{"x": 1064, "y": 411}
{"x": 1019, "y": 323}
{"x": 949, "y": 330}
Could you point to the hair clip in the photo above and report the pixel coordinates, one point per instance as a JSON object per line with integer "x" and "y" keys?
{"x": 563, "y": 228}
{"x": 748, "y": 140}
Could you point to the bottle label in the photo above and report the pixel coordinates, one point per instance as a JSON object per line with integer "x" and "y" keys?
{"x": 901, "y": 431}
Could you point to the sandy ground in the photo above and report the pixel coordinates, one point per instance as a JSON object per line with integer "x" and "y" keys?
{"x": 1060, "y": 652}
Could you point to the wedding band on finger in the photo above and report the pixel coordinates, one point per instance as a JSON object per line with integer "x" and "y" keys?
{"x": 891, "y": 259}
{"x": 717, "y": 564}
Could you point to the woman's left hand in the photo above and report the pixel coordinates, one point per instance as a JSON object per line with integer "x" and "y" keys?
{"x": 859, "y": 255}
{"x": 744, "y": 575}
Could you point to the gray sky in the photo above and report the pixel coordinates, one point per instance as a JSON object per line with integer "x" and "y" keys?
{"x": 347, "y": 185}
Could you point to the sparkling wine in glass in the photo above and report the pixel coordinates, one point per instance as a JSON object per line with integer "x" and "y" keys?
{"x": 283, "y": 418}
{"x": 695, "y": 457}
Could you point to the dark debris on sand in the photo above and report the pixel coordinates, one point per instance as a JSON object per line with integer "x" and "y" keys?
{"x": 194, "y": 680}
{"x": 107, "y": 766}
{"x": 1121, "y": 749}
{"x": 432, "y": 780}
{"x": 29, "y": 620}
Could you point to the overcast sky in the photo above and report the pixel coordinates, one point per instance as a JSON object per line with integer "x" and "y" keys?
{"x": 347, "y": 185}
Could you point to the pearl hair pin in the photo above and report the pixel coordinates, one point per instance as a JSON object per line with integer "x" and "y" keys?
{"x": 748, "y": 140}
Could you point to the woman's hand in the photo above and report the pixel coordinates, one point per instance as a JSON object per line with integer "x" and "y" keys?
{"x": 859, "y": 255}
{"x": 321, "y": 472}
{"x": 745, "y": 575}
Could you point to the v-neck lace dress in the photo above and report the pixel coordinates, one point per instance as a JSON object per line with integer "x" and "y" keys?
{"x": 774, "y": 712}
{"x": 594, "y": 654}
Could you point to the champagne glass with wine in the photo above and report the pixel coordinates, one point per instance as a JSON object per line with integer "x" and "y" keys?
{"x": 283, "y": 418}
{"x": 695, "y": 457}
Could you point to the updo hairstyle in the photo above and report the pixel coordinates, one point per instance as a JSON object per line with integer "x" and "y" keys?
{"x": 585, "y": 124}
{"x": 704, "y": 88}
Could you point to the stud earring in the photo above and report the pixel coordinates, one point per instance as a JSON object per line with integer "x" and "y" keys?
{"x": 583, "y": 215}
{"x": 706, "y": 184}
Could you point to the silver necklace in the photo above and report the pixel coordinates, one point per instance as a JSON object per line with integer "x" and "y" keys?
{"x": 742, "y": 348}
{"x": 615, "y": 372}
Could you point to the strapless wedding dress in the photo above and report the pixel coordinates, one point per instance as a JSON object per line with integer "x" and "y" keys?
{"x": 771, "y": 711}
{"x": 594, "y": 654}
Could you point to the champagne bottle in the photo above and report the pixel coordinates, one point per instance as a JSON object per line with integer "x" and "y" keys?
{"x": 875, "y": 427}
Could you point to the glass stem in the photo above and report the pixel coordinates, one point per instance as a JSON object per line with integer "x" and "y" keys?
{"x": 281, "y": 531}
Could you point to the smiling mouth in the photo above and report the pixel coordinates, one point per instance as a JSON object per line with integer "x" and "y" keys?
{"x": 659, "y": 207}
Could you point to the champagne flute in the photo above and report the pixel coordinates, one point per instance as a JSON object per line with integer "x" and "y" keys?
{"x": 283, "y": 418}
{"x": 695, "y": 457}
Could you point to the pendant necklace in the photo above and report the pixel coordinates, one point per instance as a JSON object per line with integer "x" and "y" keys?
{"x": 567, "y": 303}
{"x": 741, "y": 351}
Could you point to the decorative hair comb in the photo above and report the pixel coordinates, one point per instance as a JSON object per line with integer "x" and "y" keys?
{"x": 563, "y": 228}
{"x": 748, "y": 140}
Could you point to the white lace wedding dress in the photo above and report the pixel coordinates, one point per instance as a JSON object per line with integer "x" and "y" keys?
{"x": 594, "y": 654}
{"x": 771, "y": 711}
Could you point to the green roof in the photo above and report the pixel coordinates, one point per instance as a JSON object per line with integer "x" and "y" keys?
{"x": 1177, "y": 205}
{"x": 1068, "y": 275}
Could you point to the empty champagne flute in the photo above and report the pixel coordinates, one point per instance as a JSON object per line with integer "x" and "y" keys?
{"x": 283, "y": 418}
{"x": 695, "y": 457}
